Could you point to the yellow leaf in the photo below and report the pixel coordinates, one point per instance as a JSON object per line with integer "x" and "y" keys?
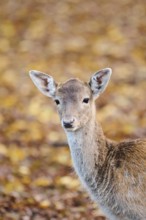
{"x": 16, "y": 154}
{"x": 45, "y": 203}
{"x": 42, "y": 181}
{"x": 69, "y": 182}
{"x": 13, "y": 186}
{"x": 3, "y": 149}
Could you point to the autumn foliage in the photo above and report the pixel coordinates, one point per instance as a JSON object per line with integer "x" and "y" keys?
{"x": 69, "y": 38}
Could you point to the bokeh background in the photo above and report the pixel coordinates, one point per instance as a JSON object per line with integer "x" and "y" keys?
{"x": 68, "y": 38}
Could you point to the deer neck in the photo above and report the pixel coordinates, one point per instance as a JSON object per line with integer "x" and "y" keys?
{"x": 87, "y": 146}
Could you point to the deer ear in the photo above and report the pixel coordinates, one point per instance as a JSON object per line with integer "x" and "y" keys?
{"x": 43, "y": 82}
{"x": 99, "y": 81}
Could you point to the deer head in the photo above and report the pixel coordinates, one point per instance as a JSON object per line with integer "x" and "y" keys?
{"x": 74, "y": 99}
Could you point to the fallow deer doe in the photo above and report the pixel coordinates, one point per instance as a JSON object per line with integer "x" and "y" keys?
{"x": 113, "y": 173}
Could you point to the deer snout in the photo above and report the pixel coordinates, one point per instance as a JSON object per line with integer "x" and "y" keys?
{"x": 68, "y": 123}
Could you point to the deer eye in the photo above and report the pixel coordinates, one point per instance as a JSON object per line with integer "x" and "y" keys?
{"x": 86, "y": 100}
{"x": 57, "y": 101}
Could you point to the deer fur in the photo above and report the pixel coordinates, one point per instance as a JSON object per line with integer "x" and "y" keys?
{"x": 113, "y": 173}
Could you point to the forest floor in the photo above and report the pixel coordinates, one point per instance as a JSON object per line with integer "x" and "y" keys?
{"x": 66, "y": 39}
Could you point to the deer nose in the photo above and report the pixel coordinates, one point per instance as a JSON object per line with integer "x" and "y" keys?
{"x": 68, "y": 123}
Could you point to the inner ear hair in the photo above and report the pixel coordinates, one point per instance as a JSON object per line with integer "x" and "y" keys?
{"x": 43, "y": 82}
{"x": 99, "y": 81}
{"x": 99, "y": 77}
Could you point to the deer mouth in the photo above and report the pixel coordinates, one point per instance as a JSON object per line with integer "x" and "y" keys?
{"x": 70, "y": 128}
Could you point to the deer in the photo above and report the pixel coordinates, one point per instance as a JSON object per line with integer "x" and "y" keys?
{"x": 113, "y": 173}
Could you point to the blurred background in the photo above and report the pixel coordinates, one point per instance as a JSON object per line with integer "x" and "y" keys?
{"x": 68, "y": 38}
